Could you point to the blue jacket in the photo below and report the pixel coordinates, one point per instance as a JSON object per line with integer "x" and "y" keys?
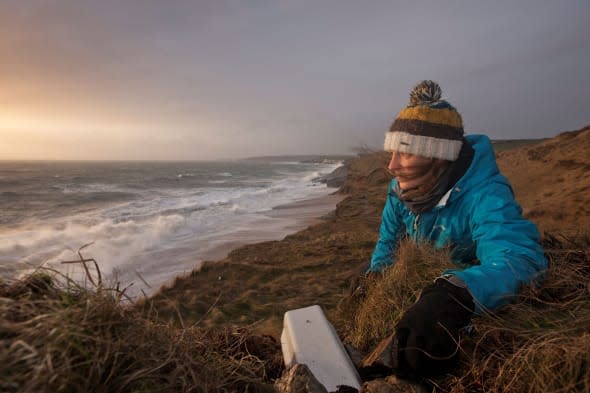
{"x": 495, "y": 249}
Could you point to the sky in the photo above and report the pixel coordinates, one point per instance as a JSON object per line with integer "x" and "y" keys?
{"x": 221, "y": 79}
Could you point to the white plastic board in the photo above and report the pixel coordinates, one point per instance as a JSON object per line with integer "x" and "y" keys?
{"x": 309, "y": 338}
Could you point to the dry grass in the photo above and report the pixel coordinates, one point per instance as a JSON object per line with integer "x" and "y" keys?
{"x": 390, "y": 295}
{"x": 57, "y": 336}
{"x": 60, "y": 337}
{"x": 540, "y": 343}
{"x": 558, "y": 199}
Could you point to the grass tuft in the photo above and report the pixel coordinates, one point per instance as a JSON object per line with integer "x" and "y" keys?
{"x": 539, "y": 343}
{"x": 59, "y": 337}
{"x": 390, "y": 295}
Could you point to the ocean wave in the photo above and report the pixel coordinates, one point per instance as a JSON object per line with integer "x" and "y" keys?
{"x": 77, "y": 188}
{"x": 275, "y": 189}
{"x": 183, "y": 211}
{"x": 11, "y": 183}
{"x": 288, "y": 163}
{"x": 181, "y": 175}
{"x": 10, "y": 195}
{"x": 313, "y": 177}
{"x": 136, "y": 217}
{"x": 203, "y": 204}
{"x": 113, "y": 243}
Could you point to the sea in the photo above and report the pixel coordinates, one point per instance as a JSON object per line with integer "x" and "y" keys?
{"x": 145, "y": 223}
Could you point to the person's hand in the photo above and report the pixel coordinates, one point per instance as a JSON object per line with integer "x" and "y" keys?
{"x": 427, "y": 336}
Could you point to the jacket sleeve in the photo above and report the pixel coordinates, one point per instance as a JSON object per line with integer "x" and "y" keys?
{"x": 391, "y": 230}
{"x": 507, "y": 246}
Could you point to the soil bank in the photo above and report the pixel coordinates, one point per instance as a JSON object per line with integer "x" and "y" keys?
{"x": 255, "y": 284}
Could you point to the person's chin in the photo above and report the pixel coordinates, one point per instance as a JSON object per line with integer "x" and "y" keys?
{"x": 411, "y": 183}
{"x": 406, "y": 186}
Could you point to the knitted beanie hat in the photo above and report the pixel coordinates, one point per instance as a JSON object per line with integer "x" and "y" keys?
{"x": 428, "y": 126}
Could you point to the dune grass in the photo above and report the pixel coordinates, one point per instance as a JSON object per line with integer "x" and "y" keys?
{"x": 539, "y": 343}
{"x": 364, "y": 325}
{"x": 59, "y": 337}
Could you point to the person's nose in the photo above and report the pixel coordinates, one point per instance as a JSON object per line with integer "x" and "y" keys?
{"x": 394, "y": 162}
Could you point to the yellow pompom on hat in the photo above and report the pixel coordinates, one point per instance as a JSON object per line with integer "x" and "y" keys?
{"x": 427, "y": 126}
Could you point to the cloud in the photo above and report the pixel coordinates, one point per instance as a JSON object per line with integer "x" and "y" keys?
{"x": 303, "y": 75}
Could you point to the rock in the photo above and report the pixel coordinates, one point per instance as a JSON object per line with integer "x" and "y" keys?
{"x": 299, "y": 379}
{"x": 336, "y": 178}
{"x": 403, "y": 385}
{"x": 392, "y": 385}
{"x": 378, "y": 386}
{"x": 380, "y": 362}
{"x": 355, "y": 355}
{"x": 346, "y": 389}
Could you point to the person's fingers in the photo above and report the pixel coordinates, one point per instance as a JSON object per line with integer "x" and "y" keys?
{"x": 399, "y": 351}
{"x": 414, "y": 347}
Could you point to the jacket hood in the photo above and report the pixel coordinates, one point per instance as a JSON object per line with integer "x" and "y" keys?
{"x": 482, "y": 168}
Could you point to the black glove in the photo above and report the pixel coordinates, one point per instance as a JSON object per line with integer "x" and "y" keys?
{"x": 427, "y": 335}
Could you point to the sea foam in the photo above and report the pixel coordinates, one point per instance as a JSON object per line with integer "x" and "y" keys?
{"x": 156, "y": 232}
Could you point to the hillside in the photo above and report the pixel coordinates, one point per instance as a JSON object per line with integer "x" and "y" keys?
{"x": 551, "y": 180}
{"x": 217, "y": 329}
{"x": 256, "y": 284}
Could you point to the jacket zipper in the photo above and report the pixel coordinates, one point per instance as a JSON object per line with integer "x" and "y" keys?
{"x": 416, "y": 225}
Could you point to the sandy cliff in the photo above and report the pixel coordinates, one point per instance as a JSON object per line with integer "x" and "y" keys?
{"x": 552, "y": 180}
{"x": 257, "y": 283}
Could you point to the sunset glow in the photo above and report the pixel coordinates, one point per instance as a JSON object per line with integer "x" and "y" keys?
{"x": 211, "y": 80}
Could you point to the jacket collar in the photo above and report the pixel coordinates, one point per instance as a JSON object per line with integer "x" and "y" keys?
{"x": 483, "y": 166}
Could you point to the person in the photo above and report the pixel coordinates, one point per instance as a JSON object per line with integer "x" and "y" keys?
{"x": 447, "y": 189}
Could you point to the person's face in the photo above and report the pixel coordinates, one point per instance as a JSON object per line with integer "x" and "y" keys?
{"x": 410, "y": 170}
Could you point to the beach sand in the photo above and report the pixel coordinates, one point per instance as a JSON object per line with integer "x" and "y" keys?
{"x": 273, "y": 225}
{"x": 310, "y": 263}
{"x": 286, "y": 219}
